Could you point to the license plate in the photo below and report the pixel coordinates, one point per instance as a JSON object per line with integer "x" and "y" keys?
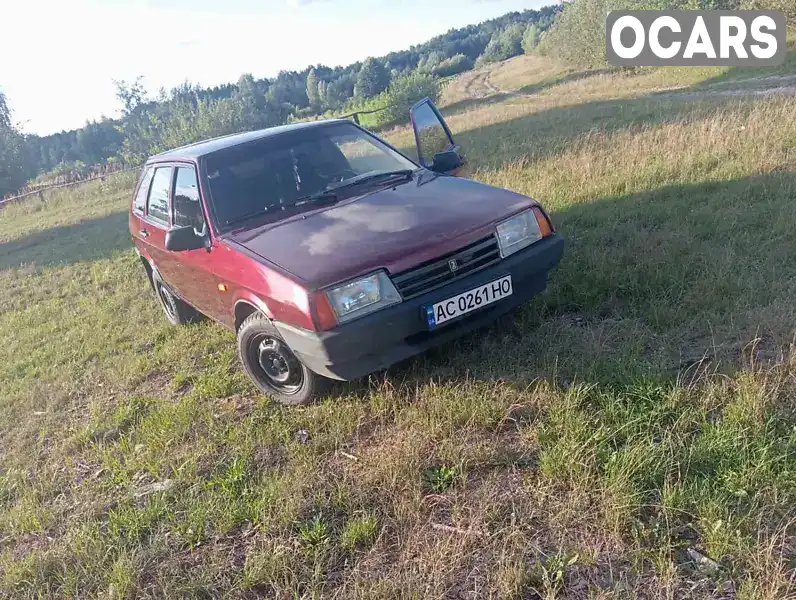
{"x": 468, "y": 301}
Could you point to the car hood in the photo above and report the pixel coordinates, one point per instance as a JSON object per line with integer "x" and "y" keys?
{"x": 394, "y": 228}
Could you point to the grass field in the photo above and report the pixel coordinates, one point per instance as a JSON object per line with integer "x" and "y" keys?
{"x": 629, "y": 434}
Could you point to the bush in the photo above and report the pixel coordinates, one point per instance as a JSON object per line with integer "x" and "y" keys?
{"x": 404, "y": 92}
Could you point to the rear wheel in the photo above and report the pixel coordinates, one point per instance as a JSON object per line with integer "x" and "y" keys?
{"x": 177, "y": 311}
{"x": 272, "y": 365}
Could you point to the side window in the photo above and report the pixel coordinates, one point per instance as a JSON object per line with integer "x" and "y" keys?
{"x": 158, "y": 204}
{"x": 186, "y": 204}
{"x": 143, "y": 190}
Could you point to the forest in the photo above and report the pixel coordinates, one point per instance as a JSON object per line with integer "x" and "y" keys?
{"x": 150, "y": 123}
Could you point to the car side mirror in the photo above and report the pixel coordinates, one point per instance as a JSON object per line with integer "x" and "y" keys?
{"x": 432, "y": 137}
{"x": 179, "y": 239}
{"x": 447, "y": 161}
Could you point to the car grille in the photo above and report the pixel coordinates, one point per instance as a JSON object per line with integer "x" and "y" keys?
{"x": 437, "y": 272}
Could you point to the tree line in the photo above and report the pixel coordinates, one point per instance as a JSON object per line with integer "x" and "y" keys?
{"x": 188, "y": 113}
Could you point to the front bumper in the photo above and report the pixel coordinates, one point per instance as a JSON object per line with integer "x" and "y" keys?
{"x": 388, "y": 336}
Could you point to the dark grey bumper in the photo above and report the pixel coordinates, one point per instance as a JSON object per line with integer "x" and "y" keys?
{"x": 378, "y": 340}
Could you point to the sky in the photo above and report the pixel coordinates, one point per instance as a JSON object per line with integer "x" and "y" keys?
{"x": 58, "y": 58}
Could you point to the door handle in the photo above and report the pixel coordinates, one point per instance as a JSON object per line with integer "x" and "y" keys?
{"x": 144, "y": 233}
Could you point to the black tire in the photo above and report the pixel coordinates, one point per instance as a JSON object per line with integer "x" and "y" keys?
{"x": 177, "y": 311}
{"x": 271, "y": 365}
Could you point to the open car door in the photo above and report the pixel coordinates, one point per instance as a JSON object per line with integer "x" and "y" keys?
{"x": 436, "y": 149}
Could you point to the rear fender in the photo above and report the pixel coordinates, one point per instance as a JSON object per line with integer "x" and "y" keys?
{"x": 148, "y": 267}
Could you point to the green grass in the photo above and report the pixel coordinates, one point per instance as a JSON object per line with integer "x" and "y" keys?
{"x": 641, "y": 408}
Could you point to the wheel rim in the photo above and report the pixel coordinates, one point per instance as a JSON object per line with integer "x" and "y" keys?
{"x": 275, "y": 364}
{"x": 168, "y": 301}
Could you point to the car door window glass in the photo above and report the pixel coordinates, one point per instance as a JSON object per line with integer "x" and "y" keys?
{"x": 186, "y": 204}
{"x": 143, "y": 191}
{"x": 431, "y": 135}
{"x": 158, "y": 204}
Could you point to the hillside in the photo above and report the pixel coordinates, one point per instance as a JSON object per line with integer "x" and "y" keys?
{"x": 152, "y": 122}
{"x": 629, "y": 434}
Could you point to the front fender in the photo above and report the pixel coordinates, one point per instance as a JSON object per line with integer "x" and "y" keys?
{"x": 246, "y": 297}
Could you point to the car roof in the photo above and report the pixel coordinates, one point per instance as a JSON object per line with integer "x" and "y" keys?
{"x": 203, "y": 148}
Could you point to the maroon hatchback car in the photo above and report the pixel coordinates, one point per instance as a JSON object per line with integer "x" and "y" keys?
{"x": 329, "y": 252}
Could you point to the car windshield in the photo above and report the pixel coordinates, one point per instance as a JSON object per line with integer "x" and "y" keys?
{"x": 289, "y": 169}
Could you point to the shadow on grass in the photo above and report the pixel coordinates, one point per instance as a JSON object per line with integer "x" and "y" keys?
{"x": 87, "y": 240}
{"x": 549, "y": 82}
{"x": 461, "y": 106}
{"x": 652, "y": 286}
{"x": 540, "y": 134}
{"x": 739, "y": 74}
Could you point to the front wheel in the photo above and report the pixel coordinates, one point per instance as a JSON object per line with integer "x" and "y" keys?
{"x": 273, "y": 367}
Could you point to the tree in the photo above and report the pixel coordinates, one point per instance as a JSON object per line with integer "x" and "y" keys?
{"x": 531, "y": 38}
{"x": 511, "y": 39}
{"x": 289, "y": 88}
{"x": 429, "y": 63}
{"x": 96, "y": 142}
{"x": 313, "y": 93}
{"x": 190, "y": 113}
{"x": 131, "y": 95}
{"x": 504, "y": 44}
{"x": 340, "y": 90}
{"x": 322, "y": 95}
{"x": 13, "y": 171}
{"x": 453, "y": 65}
{"x": 254, "y": 109}
{"x": 473, "y": 45}
{"x": 373, "y": 78}
{"x": 137, "y": 124}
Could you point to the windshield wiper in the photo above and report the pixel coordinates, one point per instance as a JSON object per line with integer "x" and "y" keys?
{"x": 321, "y": 197}
{"x": 317, "y": 198}
{"x": 367, "y": 177}
{"x": 253, "y": 215}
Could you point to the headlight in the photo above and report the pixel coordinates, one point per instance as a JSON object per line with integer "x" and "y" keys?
{"x": 518, "y": 232}
{"x": 362, "y": 296}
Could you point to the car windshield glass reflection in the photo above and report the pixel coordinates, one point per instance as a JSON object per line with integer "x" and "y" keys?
{"x": 281, "y": 172}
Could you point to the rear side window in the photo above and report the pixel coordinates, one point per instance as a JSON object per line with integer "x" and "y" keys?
{"x": 143, "y": 190}
{"x": 185, "y": 202}
{"x": 158, "y": 204}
